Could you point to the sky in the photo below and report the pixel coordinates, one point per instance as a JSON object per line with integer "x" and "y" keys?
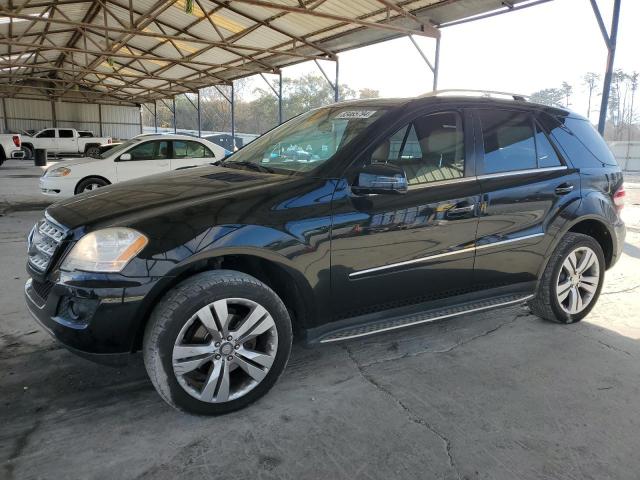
{"x": 520, "y": 52}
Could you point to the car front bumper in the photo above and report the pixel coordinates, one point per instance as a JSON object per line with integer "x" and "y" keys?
{"x": 59, "y": 187}
{"x": 95, "y": 318}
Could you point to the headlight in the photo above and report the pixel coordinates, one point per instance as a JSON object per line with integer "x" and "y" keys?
{"x": 107, "y": 250}
{"x": 57, "y": 172}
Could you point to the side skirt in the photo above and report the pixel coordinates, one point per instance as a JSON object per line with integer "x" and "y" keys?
{"x": 363, "y": 326}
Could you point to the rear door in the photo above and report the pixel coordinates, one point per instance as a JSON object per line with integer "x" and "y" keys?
{"x": 391, "y": 250}
{"x": 188, "y": 153}
{"x": 147, "y": 158}
{"x": 526, "y": 186}
{"x": 67, "y": 142}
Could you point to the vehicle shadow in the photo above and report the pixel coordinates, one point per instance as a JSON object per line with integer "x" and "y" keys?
{"x": 502, "y": 391}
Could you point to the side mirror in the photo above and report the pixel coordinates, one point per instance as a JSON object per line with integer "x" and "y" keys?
{"x": 381, "y": 178}
{"x": 125, "y": 157}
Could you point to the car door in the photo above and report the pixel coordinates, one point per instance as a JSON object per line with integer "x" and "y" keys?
{"x": 188, "y": 153}
{"x": 526, "y": 187}
{"x": 392, "y": 250}
{"x": 146, "y": 158}
{"x": 67, "y": 142}
{"x": 47, "y": 140}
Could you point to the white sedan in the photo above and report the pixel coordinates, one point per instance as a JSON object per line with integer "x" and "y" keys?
{"x": 138, "y": 157}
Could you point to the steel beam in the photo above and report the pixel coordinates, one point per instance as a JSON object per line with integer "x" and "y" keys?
{"x": 199, "y": 118}
{"x": 610, "y": 40}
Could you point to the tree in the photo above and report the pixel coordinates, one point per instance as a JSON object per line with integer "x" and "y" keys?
{"x": 591, "y": 81}
{"x": 566, "y": 90}
{"x": 368, "y": 93}
{"x": 548, "y": 96}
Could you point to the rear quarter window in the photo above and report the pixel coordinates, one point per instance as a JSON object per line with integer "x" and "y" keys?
{"x": 581, "y": 142}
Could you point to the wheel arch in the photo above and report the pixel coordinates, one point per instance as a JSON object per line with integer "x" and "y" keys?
{"x": 75, "y": 189}
{"x": 274, "y": 271}
{"x": 89, "y": 145}
{"x": 592, "y": 225}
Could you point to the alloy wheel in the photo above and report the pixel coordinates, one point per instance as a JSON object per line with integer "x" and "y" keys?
{"x": 578, "y": 280}
{"x": 225, "y": 350}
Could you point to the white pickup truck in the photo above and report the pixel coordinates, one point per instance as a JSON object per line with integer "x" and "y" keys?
{"x": 10, "y": 146}
{"x": 63, "y": 141}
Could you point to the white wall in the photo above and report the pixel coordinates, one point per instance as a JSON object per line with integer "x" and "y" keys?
{"x": 119, "y": 122}
{"x": 627, "y": 155}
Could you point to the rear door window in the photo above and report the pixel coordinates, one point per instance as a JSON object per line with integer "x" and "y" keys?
{"x": 64, "y": 133}
{"x": 508, "y": 139}
{"x": 547, "y": 156}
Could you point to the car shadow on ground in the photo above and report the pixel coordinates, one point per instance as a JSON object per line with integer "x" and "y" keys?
{"x": 496, "y": 393}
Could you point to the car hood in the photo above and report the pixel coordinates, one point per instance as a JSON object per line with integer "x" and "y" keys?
{"x": 153, "y": 195}
{"x": 70, "y": 162}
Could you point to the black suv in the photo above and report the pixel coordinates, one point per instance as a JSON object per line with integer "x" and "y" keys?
{"x": 349, "y": 220}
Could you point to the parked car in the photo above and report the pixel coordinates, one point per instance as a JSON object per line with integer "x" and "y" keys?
{"x": 61, "y": 141}
{"x": 414, "y": 210}
{"x": 10, "y": 146}
{"x": 138, "y": 157}
{"x": 226, "y": 141}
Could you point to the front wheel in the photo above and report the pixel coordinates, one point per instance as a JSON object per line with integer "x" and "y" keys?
{"x": 572, "y": 280}
{"x": 89, "y": 184}
{"x": 217, "y": 342}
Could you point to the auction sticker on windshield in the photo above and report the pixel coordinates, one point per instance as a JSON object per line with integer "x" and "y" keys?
{"x": 349, "y": 114}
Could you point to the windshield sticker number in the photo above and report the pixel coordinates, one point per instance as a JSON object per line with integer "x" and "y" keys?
{"x": 351, "y": 114}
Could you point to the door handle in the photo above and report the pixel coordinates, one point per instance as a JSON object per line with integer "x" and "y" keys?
{"x": 563, "y": 189}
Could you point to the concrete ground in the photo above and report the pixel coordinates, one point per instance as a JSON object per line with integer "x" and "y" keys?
{"x": 501, "y": 395}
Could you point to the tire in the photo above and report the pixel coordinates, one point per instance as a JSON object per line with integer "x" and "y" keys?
{"x": 89, "y": 184}
{"x": 550, "y": 302}
{"x": 92, "y": 151}
{"x": 28, "y": 152}
{"x": 193, "y": 385}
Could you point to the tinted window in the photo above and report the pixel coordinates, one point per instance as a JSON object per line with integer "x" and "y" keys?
{"x": 198, "y": 150}
{"x": 150, "y": 151}
{"x": 50, "y": 133}
{"x": 186, "y": 149}
{"x": 547, "y": 156}
{"x": 591, "y": 139}
{"x": 508, "y": 141}
{"x": 429, "y": 149}
{"x": 579, "y": 155}
{"x": 65, "y": 133}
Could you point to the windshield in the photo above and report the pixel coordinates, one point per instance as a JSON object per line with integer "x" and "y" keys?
{"x": 305, "y": 142}
{"x": 117, "y": 150}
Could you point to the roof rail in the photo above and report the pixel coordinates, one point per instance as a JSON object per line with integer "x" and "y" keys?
{"x": 477, "y": 93}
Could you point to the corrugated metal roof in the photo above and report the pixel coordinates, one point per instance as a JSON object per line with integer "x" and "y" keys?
{"x": 161, "y": 48}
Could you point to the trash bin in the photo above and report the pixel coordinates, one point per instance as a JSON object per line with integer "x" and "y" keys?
{"x": 40, "y": 157}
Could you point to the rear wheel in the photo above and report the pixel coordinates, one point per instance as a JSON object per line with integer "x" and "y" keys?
{"x": 572, "y": 280}
{"x": 89, "y": 184}
{"x": 28, "y": 152}
{"x": 217, "y": 342}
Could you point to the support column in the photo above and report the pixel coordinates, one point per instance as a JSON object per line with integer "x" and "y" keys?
{"x": 54, "y": 119}
{"x": 175, "y": 123}
{"x": 4, "y": 114}
{"x": 280, "y": 98}
{"x": 100, "y": 119}
{"x": 155, "y": 115}
{"x": 610, "y": 40}
{"x": 199, "y": 118}
{"x": 141, "y": 129}
{"x": 336, "y": 85}
{"x": 233, "y": 113}
{"x": 436, "y": 66}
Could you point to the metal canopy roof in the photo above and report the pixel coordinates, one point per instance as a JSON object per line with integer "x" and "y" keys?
{"x": 136, "y": 51}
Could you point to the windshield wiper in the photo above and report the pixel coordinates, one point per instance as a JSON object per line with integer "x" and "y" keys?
{"x": 250, "y": 165}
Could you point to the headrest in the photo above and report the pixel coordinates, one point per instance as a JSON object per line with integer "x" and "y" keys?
{"x": 381, "y": 154}
{"x": 443, "y": 141}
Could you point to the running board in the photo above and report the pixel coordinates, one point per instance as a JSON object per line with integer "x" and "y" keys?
{"x": 421, "y": 317}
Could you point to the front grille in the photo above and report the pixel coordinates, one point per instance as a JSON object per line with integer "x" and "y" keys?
{"x": 42, "y": 289}
{"x": 44, "y": 241}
